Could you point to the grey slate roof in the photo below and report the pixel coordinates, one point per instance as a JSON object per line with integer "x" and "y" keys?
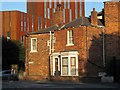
{"x": 46, "y": 30}
{"x": 80, "y": 21}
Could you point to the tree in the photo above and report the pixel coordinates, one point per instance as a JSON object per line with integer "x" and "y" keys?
{"x": 12, "y": 53}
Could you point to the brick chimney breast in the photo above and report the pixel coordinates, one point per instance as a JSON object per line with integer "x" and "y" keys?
{"x": 94, "y": 19}
{"x": 58, "y": 16}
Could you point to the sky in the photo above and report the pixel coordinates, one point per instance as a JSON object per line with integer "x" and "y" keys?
{"x": 20, "y": 5}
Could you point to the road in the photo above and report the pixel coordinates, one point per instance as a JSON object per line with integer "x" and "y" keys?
{"x": 33, "y": 84}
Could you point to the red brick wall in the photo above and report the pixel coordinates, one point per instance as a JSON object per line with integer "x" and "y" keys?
{"x": 112, "y": 32}
{"x": 81, "y": 41}
{"x": 40, "y": 67}
{"x": 87, "y": 41}
{"x": 6, "y": 25}
{"x": 15, "y": 28}
{"x": 66, "y": 15}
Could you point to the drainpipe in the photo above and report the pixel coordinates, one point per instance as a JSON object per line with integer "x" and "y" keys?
{"x": 50, "y": 43}
{"x": 86, "y": 44}
{"x": 103, "y": 46}
{"x": 103, "y": 41}
{"x": 50, "y": 55}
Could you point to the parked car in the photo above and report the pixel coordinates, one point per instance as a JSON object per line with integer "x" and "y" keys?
{"x": 6, "y": 75}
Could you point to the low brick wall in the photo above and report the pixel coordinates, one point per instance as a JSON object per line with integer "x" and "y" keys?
{"x": 65, "y": 78}
{"x": 36, "y": 78}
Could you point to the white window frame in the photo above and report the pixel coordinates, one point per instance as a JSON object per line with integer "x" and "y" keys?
{"x": 62, "y": 55}
{"x": 68, "y": 38}
{"x": 69, "y": 65}
{"x": 32, "y": 45}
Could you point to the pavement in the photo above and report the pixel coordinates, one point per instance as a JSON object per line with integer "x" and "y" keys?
{"x": 117, "y": 85}
{"x": 58, "y": 84}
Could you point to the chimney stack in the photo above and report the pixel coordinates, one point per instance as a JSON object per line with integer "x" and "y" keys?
{"x": 94, "y": 19}
{"x": 58, "y": 16}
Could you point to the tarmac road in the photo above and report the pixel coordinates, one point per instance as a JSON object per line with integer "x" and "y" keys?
{"x": 61, "y": 85}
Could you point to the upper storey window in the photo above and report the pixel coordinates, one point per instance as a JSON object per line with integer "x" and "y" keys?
{"x": 70, "y": 38}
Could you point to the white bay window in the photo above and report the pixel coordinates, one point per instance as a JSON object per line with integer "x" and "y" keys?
{"x": 67, "y": 63}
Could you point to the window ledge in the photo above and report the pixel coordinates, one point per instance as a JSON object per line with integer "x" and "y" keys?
{"x": 33, "y": 51}
{"x": 69, "y": 75}
{"x": 70, "y": 45}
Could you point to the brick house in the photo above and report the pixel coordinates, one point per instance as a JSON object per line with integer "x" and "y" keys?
{"x": 66, "y": 52}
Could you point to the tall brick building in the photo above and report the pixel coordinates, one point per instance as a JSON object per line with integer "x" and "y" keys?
{"x": 72, "y": 9}
{"x": 16, "y": 24}
{"x": 112, "y": 24}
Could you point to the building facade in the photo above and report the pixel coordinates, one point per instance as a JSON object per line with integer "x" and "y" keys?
{"x": 112, "y": 24}
{"x": 16, "y": 24}
{"x": 66, "y": 52}
{"x": 80, "y": 48}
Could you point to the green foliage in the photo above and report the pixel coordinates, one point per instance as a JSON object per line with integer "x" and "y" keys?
{"x": 12, "y": 53}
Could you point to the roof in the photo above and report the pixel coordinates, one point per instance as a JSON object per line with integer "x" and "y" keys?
{"x": 13, "y": 11}
{"x": 46, "y": 30}
{"x": 83, "y": 21}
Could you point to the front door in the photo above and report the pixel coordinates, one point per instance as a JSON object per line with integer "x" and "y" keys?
{"x": 56, "y": 64}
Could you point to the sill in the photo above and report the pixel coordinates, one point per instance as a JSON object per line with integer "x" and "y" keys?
{"x": 70, "y": 45}
{"x": 68, "y": 75}
{"x": 33, "y": 51}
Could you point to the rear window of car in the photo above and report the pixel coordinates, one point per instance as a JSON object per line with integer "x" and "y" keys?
{"x": 7, "y": 72}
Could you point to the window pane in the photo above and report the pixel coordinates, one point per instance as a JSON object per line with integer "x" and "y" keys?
{"x": 34, "y": 44}
{"x": 73, "y": 65}
{"x": 34, "y": 41}
{"x": 70, "y": 37}
{"x": 65, "y": 65}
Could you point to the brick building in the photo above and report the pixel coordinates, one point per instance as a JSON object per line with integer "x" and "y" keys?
{"x": 16, "y": 24}
{"x": 112, "y": 24}
{"x": 66, "y": 52}
{"x": 12, "y": 26}
{"x": 77, "y": 49}
{"x": 72, "y": 9}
